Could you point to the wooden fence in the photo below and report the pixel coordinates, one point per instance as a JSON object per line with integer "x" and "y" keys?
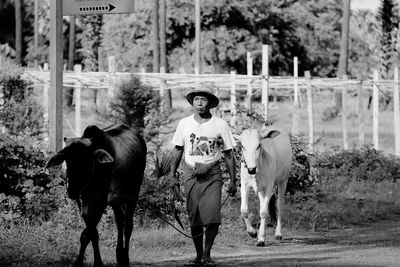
{"x": 292, "y": 87}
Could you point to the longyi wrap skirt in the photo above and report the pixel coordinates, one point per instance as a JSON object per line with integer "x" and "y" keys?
{"x": 203, "y": 195}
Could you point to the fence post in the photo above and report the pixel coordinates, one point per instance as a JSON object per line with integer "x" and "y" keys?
{"x": 264, "y": 81}
{"x": 46, "y": 97}
{"x": 296, "y": 106}
{"x": 77, "y": 93}
{"x": 344, "y": 115}
{"x": 361, "y": 136}
{"x": 162, "y": 88}
{"x": 310, "y": 111}
{"x": 233, "y": 98}
{"x": 111, "y": 79}
{"x": 396, "y": 112}
{"x": 375, "y": 114}
{"x": 249, "y": 76}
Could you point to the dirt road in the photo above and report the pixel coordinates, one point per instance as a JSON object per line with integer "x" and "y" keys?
{"x": 372, "y": 244}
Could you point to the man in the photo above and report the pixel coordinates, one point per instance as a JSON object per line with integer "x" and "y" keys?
{"x": 201, "y": 138}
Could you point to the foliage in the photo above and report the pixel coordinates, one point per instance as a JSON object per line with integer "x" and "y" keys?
{"x": 362, "y": 164}
{"x": 330, "y": 113}
{"x": 90, "y": 40}
{"x": 20, "y": 113}
{"x": 26, "y": 190}
{"x": 133, "y": 102}
{"x": 352, "y": 186}
{"x": 388, "y": 22}
{"x": 128, "y": 39}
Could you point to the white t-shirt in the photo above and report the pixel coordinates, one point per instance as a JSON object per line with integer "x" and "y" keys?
{"x": 203, "y": 142}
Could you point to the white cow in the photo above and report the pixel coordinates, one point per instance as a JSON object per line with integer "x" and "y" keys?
{"x": 266, "y": 160}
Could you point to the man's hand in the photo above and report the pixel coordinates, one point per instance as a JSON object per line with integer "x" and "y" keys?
{"x": 232, "y": 189}
{"x": 176, "y": 186}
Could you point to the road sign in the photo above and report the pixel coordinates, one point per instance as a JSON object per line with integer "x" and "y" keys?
{"x": 85, "y": 7}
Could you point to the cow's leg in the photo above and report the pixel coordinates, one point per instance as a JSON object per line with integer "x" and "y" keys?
{"x": 128, "y": 230}
{"x": 264, "y": 196}
{"x": 85, "y": 239}
{"x": 120, "y": 222}
{"x": 91, "y": 217}
{"x": 281, "y": 198}
{"x": 244, "y": 208}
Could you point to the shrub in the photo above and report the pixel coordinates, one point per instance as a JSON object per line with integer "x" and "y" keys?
{"x": 20, "y": 113}
{"x": 26, "y": 189}
{"x": 352, "y": 186}
{"x": 133, "y": 102}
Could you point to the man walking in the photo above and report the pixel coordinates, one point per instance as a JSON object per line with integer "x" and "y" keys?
{"x": 202, "y": 138}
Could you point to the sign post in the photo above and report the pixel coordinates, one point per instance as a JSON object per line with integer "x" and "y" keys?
{"x": 58, "y": 8}
{"x": 56, "y": 76}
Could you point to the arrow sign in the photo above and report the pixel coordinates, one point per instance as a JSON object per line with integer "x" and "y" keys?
{"x": 85, "y": 7}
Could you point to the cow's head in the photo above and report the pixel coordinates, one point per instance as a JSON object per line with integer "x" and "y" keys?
{"x": 83, "y": 162}
{"x": 250, "y": 140}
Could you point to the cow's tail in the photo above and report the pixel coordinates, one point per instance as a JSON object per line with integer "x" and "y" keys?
{"x": 272, "y": 209}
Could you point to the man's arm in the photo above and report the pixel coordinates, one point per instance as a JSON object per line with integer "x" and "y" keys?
{"x": 230, "y": 164}
{"x": 176, "y": 155}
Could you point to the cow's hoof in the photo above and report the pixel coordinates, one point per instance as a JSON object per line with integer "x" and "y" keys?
{"x": 253, "y": 234}
{"x": 278, "y": 237}
{"x": 260, "y": 244}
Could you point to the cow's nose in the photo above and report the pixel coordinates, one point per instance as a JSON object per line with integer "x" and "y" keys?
{"x": 252, "y": 170}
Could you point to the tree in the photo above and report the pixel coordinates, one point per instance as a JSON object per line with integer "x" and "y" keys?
{"x": 163, "y": 49}
{"x": 71, "y": 43}
{"x": 18, "y": 31}
{"x": 344, "y": 47}
{"x": 388, "y": 20}
{"x": 156, "y": 37}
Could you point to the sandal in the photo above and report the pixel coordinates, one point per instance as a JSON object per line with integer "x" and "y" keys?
{"x": 209, "y": 262}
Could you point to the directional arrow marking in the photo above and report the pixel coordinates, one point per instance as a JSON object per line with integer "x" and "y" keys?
{"x": 108, "y": 8}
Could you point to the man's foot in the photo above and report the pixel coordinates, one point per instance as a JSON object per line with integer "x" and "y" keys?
{"x": 194, "y": 262}
{"x": 209, "y": 262}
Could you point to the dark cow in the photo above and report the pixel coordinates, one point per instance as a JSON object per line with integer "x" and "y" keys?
{"x": 104, "y": 167}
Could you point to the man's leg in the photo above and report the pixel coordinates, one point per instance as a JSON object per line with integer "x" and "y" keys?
{"x": 197, "y": 236}
{"x": 210, "y": 233}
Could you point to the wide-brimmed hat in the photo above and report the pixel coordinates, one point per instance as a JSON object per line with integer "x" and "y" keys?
{"x": 207, "y": 92}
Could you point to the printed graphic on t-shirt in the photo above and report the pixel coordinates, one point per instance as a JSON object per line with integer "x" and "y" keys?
{"x": 204, "y": 146}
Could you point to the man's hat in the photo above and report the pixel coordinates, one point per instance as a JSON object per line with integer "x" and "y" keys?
{"x": 213, "y": 99}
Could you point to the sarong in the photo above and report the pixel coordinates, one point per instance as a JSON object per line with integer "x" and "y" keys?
{"x": 203, "y": 195}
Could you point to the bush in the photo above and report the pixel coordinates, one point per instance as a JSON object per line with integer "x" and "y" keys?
{"x": 26, "y": 190}
{"x": 365, "y": 163}
{"x": 133, "y": 102}
{"x": 352, "y": 186}
{"x": 20, "y": 113}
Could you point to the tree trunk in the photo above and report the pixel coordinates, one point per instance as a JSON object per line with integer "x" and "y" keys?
{"x": 69, "y": 92}
{"x": 344, "y": 47}
{"x": 71, "y": 48}
{"x": 163, "y": 50}
{"x": 156, "y": 37}
{"x": 18, "y": 32}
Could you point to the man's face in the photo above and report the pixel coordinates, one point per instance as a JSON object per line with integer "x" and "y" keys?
{"x": 201, "y": 104}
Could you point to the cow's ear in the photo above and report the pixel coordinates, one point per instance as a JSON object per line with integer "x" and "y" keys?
{"x": 271, "y": 134}
{"x": 55, "y": 160}
{"x": 103, "y": 157}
